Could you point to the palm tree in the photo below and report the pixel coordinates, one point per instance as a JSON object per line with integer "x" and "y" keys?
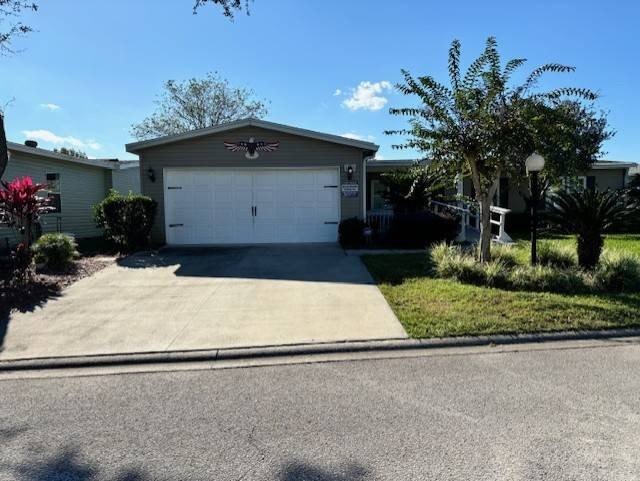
{"x": 481, "y": 126}
{"x": 588, "y": 214}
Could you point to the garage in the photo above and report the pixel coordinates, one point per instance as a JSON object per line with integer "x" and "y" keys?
{"x": 251, "y": 181}
{"x": 247, "y": 206}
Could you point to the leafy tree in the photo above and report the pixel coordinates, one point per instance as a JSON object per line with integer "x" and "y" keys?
{"x": 197, "y": 104}
{"x": 229, "y": 7}
{"x": 10, "y": 28}
{"x": 79, "y": 154}
{"x": 411, "y": 190}
{"x": 588, "y": 214}
{"x": 10, "y": 10}
{"x": 482, "y": 126}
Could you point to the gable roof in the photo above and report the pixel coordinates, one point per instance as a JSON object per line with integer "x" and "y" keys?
{"x": 135, "y": 147}
{"x": 111, "y": 164}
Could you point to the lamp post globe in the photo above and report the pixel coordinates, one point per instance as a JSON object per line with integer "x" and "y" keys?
{"x": 534, "y": 164}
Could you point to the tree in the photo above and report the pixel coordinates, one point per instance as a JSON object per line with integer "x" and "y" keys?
{"x": 229, "y": 7}
{"x": 79, "y": 154}
{"x": 197, "y": 104}
{"x": 10, "y": 11}
{"x": 588, "y": 214}
{"x": 483, "y": 127}
{"x": 411, "y": 190}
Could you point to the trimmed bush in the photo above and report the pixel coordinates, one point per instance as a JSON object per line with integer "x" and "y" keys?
{"x": 56, "y": 251}
{"x": 554, "y": 255}
{"x": 351, "y": 232}
{"x": 126, "y": 220}
{"x": 617, "y": 272}
{"x": 421, "y": 229}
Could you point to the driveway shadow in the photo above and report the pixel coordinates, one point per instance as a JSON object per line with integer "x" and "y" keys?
{"x": 309, "y": 262}
{"x": 300, "y": 471}
{"x": 37, "y": 295}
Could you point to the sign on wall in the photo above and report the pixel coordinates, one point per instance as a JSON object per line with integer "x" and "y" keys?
{"x": 350, "y": 189}
{"x": 251, "y": 147}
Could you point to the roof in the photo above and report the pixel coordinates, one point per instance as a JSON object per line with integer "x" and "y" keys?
{"x": 612, "y": 164}
{"x": 111, "y": 164}
{"x": 135, "y": 147}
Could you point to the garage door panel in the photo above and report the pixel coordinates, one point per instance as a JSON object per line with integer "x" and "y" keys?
{"x": 215, "y": 206}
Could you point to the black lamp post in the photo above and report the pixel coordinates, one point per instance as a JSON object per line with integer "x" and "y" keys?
{"x": 534, "y": 164}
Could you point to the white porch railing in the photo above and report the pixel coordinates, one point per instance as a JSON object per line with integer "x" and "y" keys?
{"x": 380, "y": 220}
{"x": 469, "y": 220}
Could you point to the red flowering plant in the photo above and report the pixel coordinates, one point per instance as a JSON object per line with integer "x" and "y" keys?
{"x": 20, "y": 208}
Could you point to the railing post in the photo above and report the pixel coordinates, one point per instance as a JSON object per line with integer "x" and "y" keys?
{"x": 462, "y": 235}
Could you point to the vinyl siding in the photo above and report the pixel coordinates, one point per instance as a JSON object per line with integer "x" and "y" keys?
{"x": 126, "y": 180}
{"x": 294, "y": 151}
{"x": 81, "y": 187}
{"x": 605, "y": 179}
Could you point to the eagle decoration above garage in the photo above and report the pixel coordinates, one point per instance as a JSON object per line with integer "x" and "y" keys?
{"x": 252, "y": 147}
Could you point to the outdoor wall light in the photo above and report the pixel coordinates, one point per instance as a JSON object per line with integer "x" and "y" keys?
{"x": 350, "y": 172}
{"x": 151, "y": 174}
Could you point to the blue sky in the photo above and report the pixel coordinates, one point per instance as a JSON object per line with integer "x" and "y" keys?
{"x": 94, "y": 68}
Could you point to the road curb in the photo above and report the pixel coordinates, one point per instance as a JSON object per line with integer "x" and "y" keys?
{"x": 305, "y": 349}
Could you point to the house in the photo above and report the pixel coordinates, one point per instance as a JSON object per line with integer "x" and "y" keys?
{"x": 253, "y": 181}
{"x": 75, "y": 185}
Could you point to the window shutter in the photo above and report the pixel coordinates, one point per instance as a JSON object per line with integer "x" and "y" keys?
{"x": 591, "y": 182}
{"x": 504, "y": 192}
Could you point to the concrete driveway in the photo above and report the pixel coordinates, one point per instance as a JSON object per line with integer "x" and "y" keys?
{"x": 208, "y": 298}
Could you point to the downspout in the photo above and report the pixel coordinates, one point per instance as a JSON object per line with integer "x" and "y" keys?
{"x": 365, "y": 159}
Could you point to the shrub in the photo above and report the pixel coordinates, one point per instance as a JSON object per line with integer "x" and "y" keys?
{"x": 351, "y": 232}
{"x": 589, "y": 214}
{"x": 506, "y": 255}
{"x": 545, "y": 278}
{"x": 617, "y": 272}
{"x": 452, "y": 262}
{"x": 126, "y": 220}
{"x": 421, "y": 229}
{"x": 56, "y": 251}
{"x": 554, "y": 255}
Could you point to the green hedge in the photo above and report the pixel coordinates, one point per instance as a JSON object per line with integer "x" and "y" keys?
{"x": 126, "y": 219}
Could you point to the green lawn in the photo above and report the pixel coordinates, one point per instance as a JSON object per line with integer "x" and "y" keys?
{"x": 430, "y": 307}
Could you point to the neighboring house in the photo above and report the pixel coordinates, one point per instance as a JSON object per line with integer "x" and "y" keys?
{"x": 74, "y": 184}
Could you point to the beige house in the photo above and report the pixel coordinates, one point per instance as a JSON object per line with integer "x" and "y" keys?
{"x": 74, "y": 184}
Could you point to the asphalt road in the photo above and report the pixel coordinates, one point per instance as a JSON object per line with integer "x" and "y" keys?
{"x": 558, "y": 414}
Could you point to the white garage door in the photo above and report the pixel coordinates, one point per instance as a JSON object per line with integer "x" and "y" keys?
{"x": 251, "y": 206}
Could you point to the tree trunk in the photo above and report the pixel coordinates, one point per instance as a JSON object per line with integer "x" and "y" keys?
{"x": 4, "y": 150}
{"x": 484, "y": 243}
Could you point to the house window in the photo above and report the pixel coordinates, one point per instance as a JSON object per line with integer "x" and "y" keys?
{"x": 53, "y": 191}
{"x": 503, "y": 192}
{"x": 573, "y": 184}
{"x": 378, "y": 189}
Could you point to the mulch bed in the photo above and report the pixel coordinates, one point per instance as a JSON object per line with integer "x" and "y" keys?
{"x": 49, "y": 284}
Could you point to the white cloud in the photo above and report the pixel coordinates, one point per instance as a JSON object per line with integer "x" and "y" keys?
{"x": 367, "y": 96}
{"x": 379, "y": 156}
{"x": 337, "y": 93}
{"x": 51, "y": 107}
{"x": 50, "y": 137}
{"x": 354, "y": 136}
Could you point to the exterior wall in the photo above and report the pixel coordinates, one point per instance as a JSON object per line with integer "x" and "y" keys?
{"x": 604, "y": 179}
{"x": 126, "y": 180}
{"x": 209, "y": 151}
{"x": 81, "y": 187}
